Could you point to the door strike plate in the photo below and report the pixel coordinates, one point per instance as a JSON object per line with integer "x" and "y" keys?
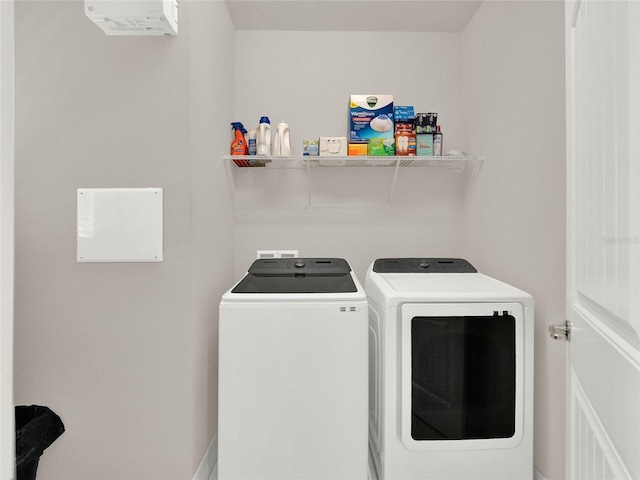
{"x": 561, "y": 332}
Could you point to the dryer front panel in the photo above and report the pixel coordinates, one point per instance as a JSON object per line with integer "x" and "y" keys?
{"x": 461, "y": 375}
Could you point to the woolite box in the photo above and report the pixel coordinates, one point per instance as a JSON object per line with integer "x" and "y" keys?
{"x": 370, "y": 116}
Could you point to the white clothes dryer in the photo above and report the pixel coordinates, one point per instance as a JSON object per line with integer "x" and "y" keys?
{"x": 292, "y": 401}
{"x": 451, "y": 372}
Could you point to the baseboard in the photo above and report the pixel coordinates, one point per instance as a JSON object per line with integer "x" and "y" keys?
{"x": 537, "y": 475}
{"x": 209, "y": 461}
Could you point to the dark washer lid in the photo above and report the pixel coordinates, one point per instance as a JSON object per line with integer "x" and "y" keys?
{"x": 423, "y": 265}
{"x": 297, "y": 275}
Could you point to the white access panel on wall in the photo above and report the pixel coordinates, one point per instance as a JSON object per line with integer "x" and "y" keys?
{"x": 119, "y": 225}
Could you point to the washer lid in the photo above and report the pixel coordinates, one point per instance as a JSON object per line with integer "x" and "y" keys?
{"x": 422, "y": 265}
{"x": 298, "y": 275}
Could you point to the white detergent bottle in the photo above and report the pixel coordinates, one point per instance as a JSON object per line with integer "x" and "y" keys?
{"x": 263, "y": 137}
{"x": 282, "y": 142}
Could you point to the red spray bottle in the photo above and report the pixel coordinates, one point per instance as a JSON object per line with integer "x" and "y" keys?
{"x": 239, "y": 144}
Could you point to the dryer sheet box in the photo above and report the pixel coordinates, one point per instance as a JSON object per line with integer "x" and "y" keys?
{"x": 370, "y": 116}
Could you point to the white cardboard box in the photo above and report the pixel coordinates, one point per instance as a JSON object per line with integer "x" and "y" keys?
{"x": 333, "y": 146}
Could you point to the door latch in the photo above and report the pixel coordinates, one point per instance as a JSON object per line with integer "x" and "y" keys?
{"x": 561, "y": 332}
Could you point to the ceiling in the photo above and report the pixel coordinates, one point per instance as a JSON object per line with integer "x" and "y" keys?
{"x": 353, "y": 15}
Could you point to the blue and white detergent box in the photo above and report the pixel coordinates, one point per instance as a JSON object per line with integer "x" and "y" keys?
{"x": 370, "y": 116}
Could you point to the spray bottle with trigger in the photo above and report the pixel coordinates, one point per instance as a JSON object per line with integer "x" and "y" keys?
{"x": 239, "y": 144}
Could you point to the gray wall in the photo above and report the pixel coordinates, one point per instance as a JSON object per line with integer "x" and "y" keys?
{"x": 125, "y": 353}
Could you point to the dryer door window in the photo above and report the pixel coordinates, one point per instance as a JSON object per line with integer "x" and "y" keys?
{"x": 462, "y": 375}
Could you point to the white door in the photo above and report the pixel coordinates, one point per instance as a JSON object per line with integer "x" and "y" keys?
{"x": 603, "y": 147}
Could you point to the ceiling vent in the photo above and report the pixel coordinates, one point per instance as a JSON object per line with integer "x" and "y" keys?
{"x": 134, "y": 17}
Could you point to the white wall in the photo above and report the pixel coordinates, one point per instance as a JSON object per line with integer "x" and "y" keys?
{"x": 513, "y": 56}
{"x": 7, "y": 169}
{"x": 124, "y": 353}
{"x": 305, "y": 78}
{"x": 212, "y": 233}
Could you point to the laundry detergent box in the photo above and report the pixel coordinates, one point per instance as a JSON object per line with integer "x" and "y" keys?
{"x": 370, "y": 116}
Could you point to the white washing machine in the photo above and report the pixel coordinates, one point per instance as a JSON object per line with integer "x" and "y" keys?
{"x": 451, "y": 372}
{"x": 293, "y": 382}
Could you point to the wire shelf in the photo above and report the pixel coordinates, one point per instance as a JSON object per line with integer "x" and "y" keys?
{"x": 448, "y": 162}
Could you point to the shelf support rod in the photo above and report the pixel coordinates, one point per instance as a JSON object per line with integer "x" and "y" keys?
{"x": 393, "y": 183}
{"x": 308, "y": 185}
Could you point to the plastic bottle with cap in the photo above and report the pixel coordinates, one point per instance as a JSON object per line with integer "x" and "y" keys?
{"x": 239, "y": 144}
{"x": 263, "y": 137}
{"x": 437, "y": 142}
{"x": 282, "y": 142}
{"x": 251, "y": 141}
